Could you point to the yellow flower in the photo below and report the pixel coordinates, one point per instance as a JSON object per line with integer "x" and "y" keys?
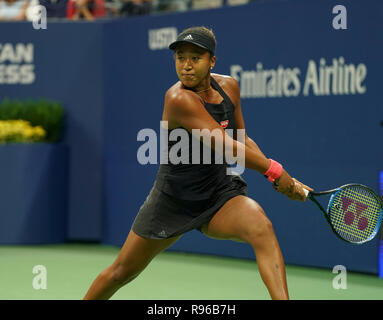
{"x": 28, "y": 132}
{"x": 20, "y": 131}
{"x": 40, "y": 131}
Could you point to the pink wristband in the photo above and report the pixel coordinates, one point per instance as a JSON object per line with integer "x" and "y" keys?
{"x": 274, "y": 171}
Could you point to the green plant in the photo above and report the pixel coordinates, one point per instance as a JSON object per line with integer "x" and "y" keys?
{"x": 47, "y": 114}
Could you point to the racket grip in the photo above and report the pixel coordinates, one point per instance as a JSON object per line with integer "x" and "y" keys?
{"x": 306, "y": 192}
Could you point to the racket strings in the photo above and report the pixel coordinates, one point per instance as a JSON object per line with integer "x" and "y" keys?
{"x": 355, "y": 214}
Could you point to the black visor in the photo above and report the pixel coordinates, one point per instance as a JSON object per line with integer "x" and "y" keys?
{"x": 196, "y": 38}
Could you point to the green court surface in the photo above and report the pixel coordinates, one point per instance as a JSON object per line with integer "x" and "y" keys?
{"x": 71, "y": 268}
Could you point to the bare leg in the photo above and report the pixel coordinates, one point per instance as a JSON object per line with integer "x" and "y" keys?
{"x": 135, "y": 255}
{"x": 242, "y": 219}
{"x": 272, "y": 267}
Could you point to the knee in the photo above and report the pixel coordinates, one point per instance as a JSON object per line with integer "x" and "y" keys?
{"x": 260, "y": 230}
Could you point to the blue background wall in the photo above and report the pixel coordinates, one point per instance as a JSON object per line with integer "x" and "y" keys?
{"x": 112, "y": 85}
{"x": 68, "y": 68}
{"x": 33, "y": 206}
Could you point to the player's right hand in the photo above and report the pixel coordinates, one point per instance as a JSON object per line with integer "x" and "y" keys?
{"x": 299, "y": 189}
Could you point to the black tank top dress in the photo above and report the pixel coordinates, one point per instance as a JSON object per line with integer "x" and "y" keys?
{"x": 186, "y": 196}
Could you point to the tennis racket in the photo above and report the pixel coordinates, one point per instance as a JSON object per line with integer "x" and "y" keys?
{"x": 354, "y": 212}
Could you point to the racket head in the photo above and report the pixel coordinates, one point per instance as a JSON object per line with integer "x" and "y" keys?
{"x": 355, "y": 213}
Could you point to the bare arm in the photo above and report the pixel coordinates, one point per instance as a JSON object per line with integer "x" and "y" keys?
{"x": 187, "y": 110}
{"x": 22, "y": 15}
{"x": 287, "y": 185}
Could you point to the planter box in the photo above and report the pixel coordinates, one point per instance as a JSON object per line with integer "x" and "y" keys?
{"x": 33, "y": 193}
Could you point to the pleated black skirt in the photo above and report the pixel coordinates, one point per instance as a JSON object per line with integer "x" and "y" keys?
{"x": 163, "y": 216}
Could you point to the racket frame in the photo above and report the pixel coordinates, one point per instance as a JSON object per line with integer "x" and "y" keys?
{"x": 334, "y": 192}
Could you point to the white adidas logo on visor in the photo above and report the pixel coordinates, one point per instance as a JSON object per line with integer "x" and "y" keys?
{"x": 188, "y": 37}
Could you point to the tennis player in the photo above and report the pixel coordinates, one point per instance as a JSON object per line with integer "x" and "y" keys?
{"x": 203, "y": 196}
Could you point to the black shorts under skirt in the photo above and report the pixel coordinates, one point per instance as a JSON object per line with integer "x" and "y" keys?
{"x": 163, "y": 216}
